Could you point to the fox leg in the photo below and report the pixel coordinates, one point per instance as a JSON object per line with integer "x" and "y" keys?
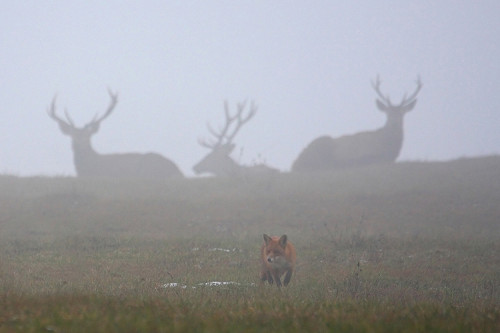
{"x": 277, "y": 279}
{"x": 266, "y": 276}
{"x": 288, "y": 276}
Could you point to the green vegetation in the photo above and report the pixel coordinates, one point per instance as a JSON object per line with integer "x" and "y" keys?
{"x": 410, "y": 247}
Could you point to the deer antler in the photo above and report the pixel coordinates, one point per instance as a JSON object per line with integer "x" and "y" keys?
{"x": 222, "y": 136}
{"x": 112, "y": 104}
{"x": 69, "y": 122}
{"x": 52, "y": 114}
{"x": 410, "y": 99}
{"x": 376, "y": 87}
{"x": 386, "y": 99}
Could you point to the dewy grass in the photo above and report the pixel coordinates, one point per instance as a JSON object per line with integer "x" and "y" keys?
{"x": 418, "y": 286}
{"x": 407, "y": 247}
{"x": 272, "y": 311}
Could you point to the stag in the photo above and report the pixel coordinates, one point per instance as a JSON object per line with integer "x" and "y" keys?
{"x": 218, "y": 161}
{"x": 379, "y": 146}
{"x": 91, "y": 164}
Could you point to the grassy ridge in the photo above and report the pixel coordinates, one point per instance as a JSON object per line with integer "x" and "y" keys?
{"x": 459, "y": 197}
{"x": 407, "y": 247}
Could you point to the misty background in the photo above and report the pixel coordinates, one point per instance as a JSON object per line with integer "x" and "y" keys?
{"x": 307, "y": 65}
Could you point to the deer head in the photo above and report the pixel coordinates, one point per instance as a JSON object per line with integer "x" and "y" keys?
{"x": 218, "y": 160}
{"x": 385, "y": 105}
{"x": 81, "y": 136}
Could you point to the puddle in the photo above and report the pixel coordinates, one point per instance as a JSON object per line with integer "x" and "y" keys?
{"x": 205, "y": 284}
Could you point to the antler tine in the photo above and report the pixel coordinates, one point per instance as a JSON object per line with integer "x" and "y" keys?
{"x": 66, "y": 114}
{"x": 240, "y": 106}
{"x": 415, "y": 93}
{"x": 112, "y": 104}
{"x": 222, "y": 133}
{"x": 251, "y": 113}
{"x": 219, "y": 135}
{"x": 376, "y": 83}
{"x": 241, "y": 119}
{"x": 253, "y": 110}
{"x": 52, "y": 113}
{"x": 376, "y": 87}
{"x": 229, "y": 118}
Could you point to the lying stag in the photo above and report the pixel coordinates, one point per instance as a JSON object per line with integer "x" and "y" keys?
{"x": 218, "y": 161}
{"x": 379, "y": 146}
{"x": 91, "y": 164}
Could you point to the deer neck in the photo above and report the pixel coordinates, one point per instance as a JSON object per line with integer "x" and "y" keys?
{"x": 394, "y": 124}
{"x": 392, "y": 135}
{"x": 83, "y": 147}
{"x": 84, "y": 155}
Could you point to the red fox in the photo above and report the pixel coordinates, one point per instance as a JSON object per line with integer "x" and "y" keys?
{"x": 278, "y": 257}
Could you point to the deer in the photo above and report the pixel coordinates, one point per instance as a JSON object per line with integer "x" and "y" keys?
{"x": 218, "y": 161}
{"x": 379, "y": 146}
{"x": 90, "y": 164}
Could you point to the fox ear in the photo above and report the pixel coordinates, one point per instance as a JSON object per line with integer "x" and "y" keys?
{"x": 267, "y": 239}
{"x": 282, "y": 241}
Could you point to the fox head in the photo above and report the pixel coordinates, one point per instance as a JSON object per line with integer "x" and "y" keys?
{"x": 275, "y": 250}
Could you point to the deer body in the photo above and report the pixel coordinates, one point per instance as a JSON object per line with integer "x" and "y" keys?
{"x": 90, "y": 164}
{"x": 324, "y": 153}
{"x": 127, "y": 165}
{"x": 370, "y": 147}
{"x": 218, "y": 161}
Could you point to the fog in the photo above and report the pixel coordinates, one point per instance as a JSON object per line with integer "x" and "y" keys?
{"x": 307, "y": 66}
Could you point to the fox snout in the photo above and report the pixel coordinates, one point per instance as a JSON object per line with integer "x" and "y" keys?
{"x": 273, "y": 259}
{"x": 278, "y": 262}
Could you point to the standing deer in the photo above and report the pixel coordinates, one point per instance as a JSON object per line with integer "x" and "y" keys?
{"x": 91, "y": 164}
{"x": 379, "y": 146}
{"x": 219, "y": 161}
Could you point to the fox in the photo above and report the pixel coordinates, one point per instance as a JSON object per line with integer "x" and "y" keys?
{"x": 277, "y": 257}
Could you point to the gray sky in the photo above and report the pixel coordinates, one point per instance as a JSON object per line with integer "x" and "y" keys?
{"x": 307, "y": 65}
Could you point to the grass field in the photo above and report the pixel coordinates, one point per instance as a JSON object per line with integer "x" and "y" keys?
{"x": 410, "y": 247}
